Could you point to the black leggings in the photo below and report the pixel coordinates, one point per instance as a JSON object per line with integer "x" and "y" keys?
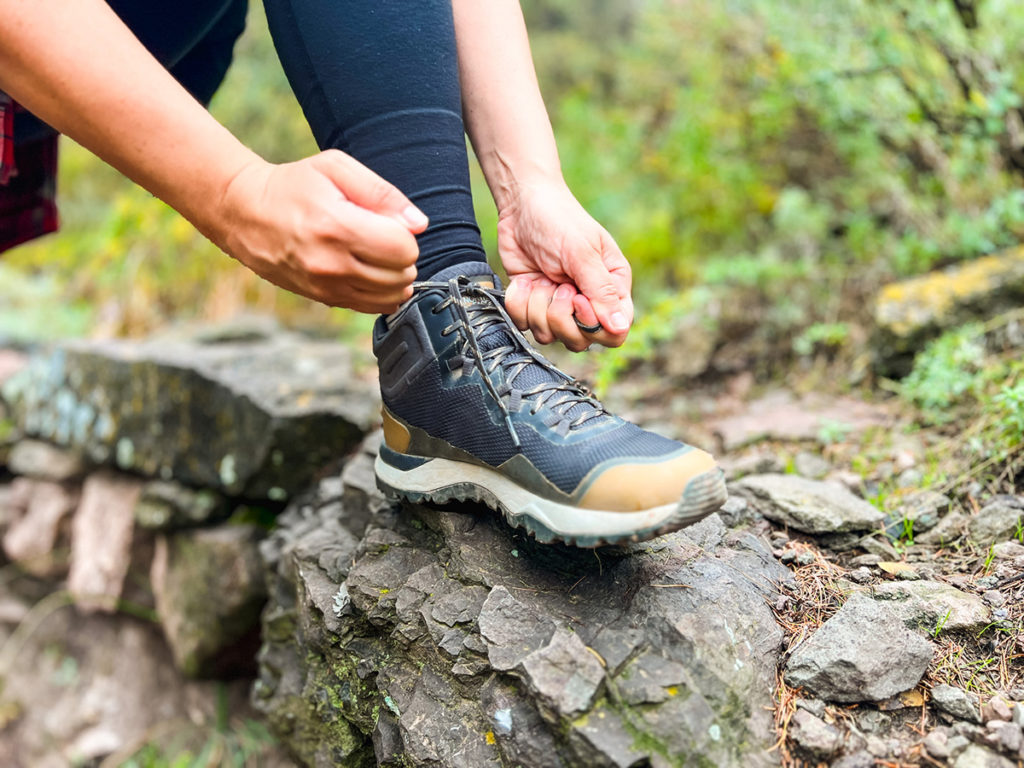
{"x": 377, "y": 79}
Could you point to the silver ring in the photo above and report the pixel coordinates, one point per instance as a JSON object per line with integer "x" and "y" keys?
{"x": 587, "y": 328}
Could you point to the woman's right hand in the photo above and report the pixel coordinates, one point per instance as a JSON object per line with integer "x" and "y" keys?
{"x": 326, "y": 227}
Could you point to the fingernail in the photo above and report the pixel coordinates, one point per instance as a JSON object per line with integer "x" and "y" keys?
{"x": 619, "y": 322}
{"x": 564, "y": 291}
{"x": 414, "y": 217}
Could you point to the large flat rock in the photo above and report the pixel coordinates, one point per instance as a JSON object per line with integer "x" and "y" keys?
{"x": 443, "y": 638}
{"x": 254, "y": 416}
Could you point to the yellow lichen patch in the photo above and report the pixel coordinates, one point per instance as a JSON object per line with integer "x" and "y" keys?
{"x": 489, "y": 737}
{"x": 904, "y": 307}
{"x": 672, "y": 690}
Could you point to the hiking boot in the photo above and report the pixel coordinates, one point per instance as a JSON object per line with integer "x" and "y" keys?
{"x": 473, "y": 412}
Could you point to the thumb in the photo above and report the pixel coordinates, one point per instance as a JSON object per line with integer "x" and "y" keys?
{"x": 366, "y": 189}
{"x": 595, "y": 282}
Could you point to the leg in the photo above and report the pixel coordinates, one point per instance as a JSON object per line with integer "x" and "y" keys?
{"x": 379, "y": 80}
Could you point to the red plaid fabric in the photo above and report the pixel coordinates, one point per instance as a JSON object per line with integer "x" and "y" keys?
{"x": 28, "y": 182}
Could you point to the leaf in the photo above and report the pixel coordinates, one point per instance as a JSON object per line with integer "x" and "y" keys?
{"x": 913, "y": 698}
{"x": 896, "y": 569}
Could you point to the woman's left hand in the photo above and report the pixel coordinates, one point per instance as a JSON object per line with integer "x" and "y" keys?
{"x": 561, "y": 262}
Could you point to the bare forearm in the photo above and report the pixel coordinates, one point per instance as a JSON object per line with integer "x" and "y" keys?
{"x": 77, "y": 66}
{"x": 502, "y": 106}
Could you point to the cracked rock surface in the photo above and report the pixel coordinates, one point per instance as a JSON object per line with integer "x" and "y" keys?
{"x": 425, "y": 637}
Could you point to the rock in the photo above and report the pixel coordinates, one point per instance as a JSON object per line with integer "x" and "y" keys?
{"x": 101, "y": 540}
{"x": 816, "y": 737}
{"x": 1005, "y": 736}
{"x": 909, "y": 313}
{"x": 255, "y": 417}
{"x": 937, "y": 744}
{"x": 858, "y": 759}
{"x": 808, "y": 505}
{"x": 778, "y": 416}
{"x": 975, "y": 756}
{"x": 928, "y": 606}
{"x": 476, "y": 646}
{"x": 956, "y": 702}
{"x": 209, "y": 590}
{"x": 996, "y": 709}
{"x": 863, "y": 653}
{"x": 167, "y": 505}
{"x": 815, "y": 706}
{"x": 948, "y": 530}
{"x": 34, "y": 458}
{"x": 811, "y": 465}
{"x": 924, "y": 509}
{"x": 565, "y": 676}
{"x": 1008, "y": 550}
{"x": 88, "y": 685}
{"x": 39, "y": 531}
{"x": 997, "y": 521}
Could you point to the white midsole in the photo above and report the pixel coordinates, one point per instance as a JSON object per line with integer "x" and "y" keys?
{"x": 561, "y": 518}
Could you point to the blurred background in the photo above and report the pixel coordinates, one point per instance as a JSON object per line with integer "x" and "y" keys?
{"x": 800, "y": 153}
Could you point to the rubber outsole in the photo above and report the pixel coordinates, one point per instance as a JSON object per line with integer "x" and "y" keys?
{"x": 441, "y": 481}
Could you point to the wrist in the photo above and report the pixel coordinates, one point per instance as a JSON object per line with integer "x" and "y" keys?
{"x": 235, "y": 199}
{"x": 511, "y": 184}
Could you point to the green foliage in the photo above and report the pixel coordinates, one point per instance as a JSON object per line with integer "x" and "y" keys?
{"x": 796, "y": 151}
{"x": 947, "y": 371}
{"x": 1008, "y": 406}
{"x": 237, "y": 746}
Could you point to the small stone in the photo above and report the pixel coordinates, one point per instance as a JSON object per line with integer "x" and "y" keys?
{"x": 909, "y": 478}
{"x": 1018, "y": 715}
{"x": 997, "y": 521}
{"x": 956, "y": 702}
{"x": 1005, "y": 736}
{"x": 815, "y": 706}
{"x": 949, "y": 529}
{"x": 957, "y": 744}
{"x": 880, "y": 548}
{"x": 34, "y": 458}
{"x": 996, "y": 709}
{"x": 34, "y": 537}
{"x": 814, "y": 735}
{"x": 101, "y": 540}
{"x": 811, "y": 465}
{"x": 866, "y": 560}
{"x": 859, "y": 759}
{"x": 860, "y": 575}
{"x": 975, "y": 756}
{"x": 937, "y": 744}
{"x": 995, "y": 598}
{"x": 809, "y": 505}
{"x": 863, "y": 653}
{"x": 1007, "y": 550}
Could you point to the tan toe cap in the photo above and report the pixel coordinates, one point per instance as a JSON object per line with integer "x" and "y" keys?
{"x": 644, "y": 485}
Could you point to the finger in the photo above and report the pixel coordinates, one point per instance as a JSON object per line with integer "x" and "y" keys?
{"x": 517, "y": 297}
{"x": 602, "y": 274}
{"x": 368, "y": 190}
{"x": 585, "y": 314}
{"x": 341, "y": 294}
{"x": 370, "y": 277}
{"x": 560, "y": 319}
{"x": 541, "y": 293}
{"x": 374, "y": 239}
